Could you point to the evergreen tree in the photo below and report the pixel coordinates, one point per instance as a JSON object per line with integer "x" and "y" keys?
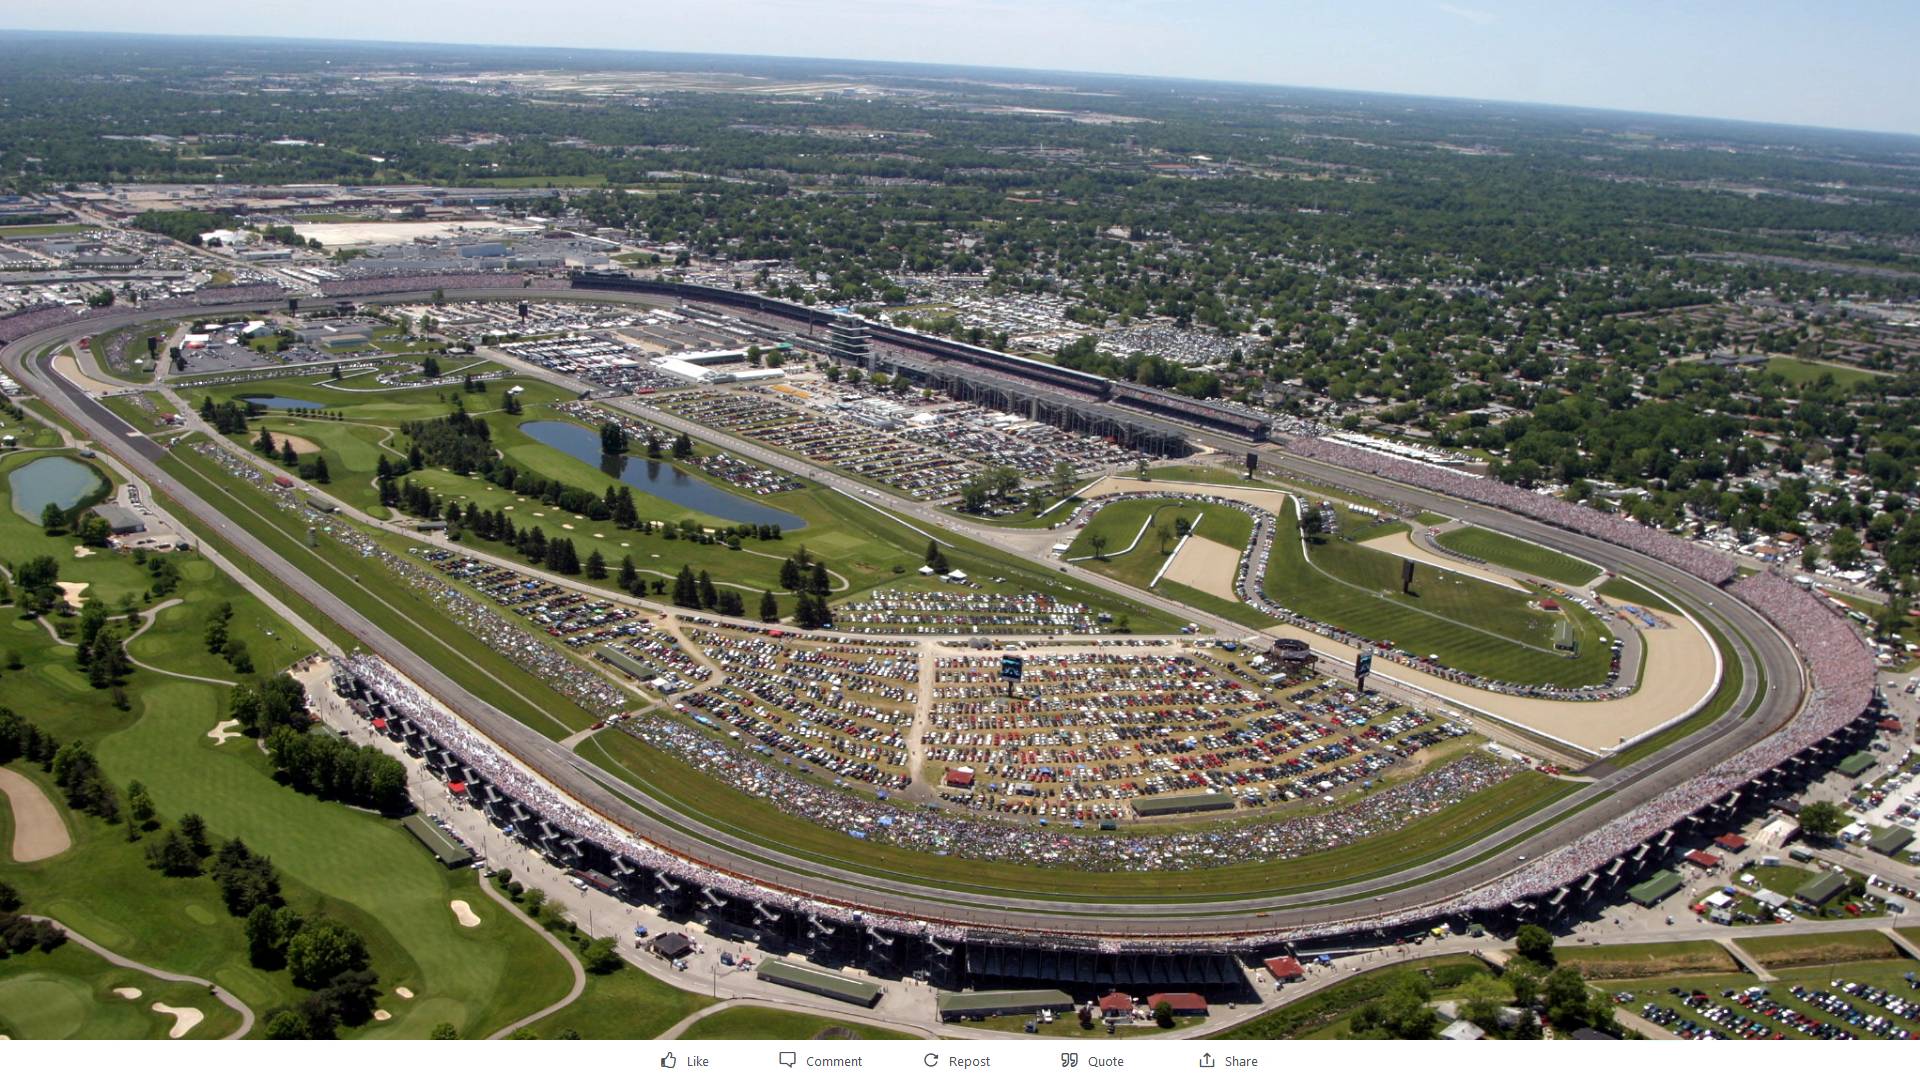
{"x": 686, "y": 593}
{"x": 769, "y": 608}
{"x": 629, "y": 580}
{"x": 596, "y": 566}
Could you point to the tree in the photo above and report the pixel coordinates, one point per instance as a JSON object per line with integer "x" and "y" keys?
{"x": 285, "y": 1023}
{"x": 818, "y": 583}
{"x": 53, "y": 519}
{"x": 140, "y": 807}
{"x": 936, "y": 559}
{"x": 194, "y": 830}
{"x": 444, "y": 1032}
{"x": 1098, "y": 542}
{"x": 686, "y": 593}
{"x": 708, "y": 598}
{"x": 1163, "y": 1014}
{"x": 322, "y": 949}
{"x": 1843, "y": 548}
{"x": 430, "y": 367}
{"x": 613, "y": 439}
{"x": 769, "y": 608}
{"x": 601, "y": 956}
{"x": 1400, "y": 1013}
{"x": 1535, "y": 943}
{"x": 270, "y": 931}
{"x": 1063, "y": 478}
{"x": 1821, "y": 820}
{"x": 1481, "y": 999}
{"x": 9, "y": 897}
{"x": 1568, "y": 1004}
{"x": 682, "y": 446}
{"x": 629, "y": 579}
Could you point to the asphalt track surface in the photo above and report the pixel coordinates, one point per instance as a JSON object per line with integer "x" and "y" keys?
{"x": 1760, "y": 646}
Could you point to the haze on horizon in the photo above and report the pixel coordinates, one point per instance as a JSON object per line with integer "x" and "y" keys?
{"x": 1843, "y": 66}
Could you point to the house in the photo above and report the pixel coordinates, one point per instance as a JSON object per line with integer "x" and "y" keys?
{"x": 1181, "y": 1004}
{"x": 1115, "y": 1004}
{"x": 1462, "y": 1031}
{"x": 1817, "y": 892}
{"x": 1285, "y": 969}
{"x": 960, "y": 777}
{"x": 1733, "y": 842}
{"x": 672, "y": 946}
{"x": 1705, "y": 860}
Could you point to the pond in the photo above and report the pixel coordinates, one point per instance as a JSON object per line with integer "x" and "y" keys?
{"x": 273, "y": 401}
{"x": 658, "y": 478}
{"x": 58, "y": 480}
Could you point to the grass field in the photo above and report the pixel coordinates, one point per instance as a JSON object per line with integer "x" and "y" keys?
{"x": 711, "y": 800}
{"x": 1651, "y": 960}
{"x": 1336, "y": 1003}
{"x": 1800, "y": 372}
{"x": 133, "y": 346}
{"x": 26, "y": 232}
{"x": 1516, "y": 554}
{"x": 627, "y": 1004}
{"x": 756, "y": 1022}
{"x": 69, "y": 994}
{"x": 1626, "y": 590}
{"x": 1887, "y": 975}
{"x": 1471, "y": 625}
{"x": 1798, "y": 950}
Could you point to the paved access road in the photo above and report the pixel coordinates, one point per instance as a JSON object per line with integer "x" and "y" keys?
{"x": 694, "y": 839}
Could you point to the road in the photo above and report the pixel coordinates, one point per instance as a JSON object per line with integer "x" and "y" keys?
{"x": 693, "y": 839}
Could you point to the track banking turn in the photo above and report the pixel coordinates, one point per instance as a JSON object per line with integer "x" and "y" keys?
{"x": 1752, "y": 715}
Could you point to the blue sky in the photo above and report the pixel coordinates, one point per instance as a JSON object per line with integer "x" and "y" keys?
{"x": 1843, "y": 63}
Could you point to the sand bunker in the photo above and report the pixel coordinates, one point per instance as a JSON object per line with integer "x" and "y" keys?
{"x": 1403, "y": 546}
{"x": 224, "y": 730}
{"x": 74, "y": 591}
{"x": 1207, "y": 565}
{"x": 464, "y": 912}
{"x": 81, "y": 551}
{"x": 131, "y": 993}
{"x": 38, "y": 830}
{"x": 185, "y": 1018}
{"x": 382, "y": 1016}
{"x": 300, "y": 445}
{"x": 403, "y": 992}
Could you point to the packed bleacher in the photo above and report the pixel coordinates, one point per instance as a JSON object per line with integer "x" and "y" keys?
{"x": 1709, "y": 566}
{"x": 412, "y": 283}
{"x": 32, "y": 320}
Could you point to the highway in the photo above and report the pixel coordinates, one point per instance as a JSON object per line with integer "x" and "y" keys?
{"x": 950, "y": 903}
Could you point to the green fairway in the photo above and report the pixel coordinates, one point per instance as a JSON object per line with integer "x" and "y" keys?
{"x": 1516, "y": 554}
{"x": 627, "y": 1004}
{"x": 359, "y": 868}
{"x": 756, "y": 1022}
{"x": 713, "y": 801}
{"x": 375, "y": 590}
{"x": 1469, "y": 624}
{"x": 69, "y": 994}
